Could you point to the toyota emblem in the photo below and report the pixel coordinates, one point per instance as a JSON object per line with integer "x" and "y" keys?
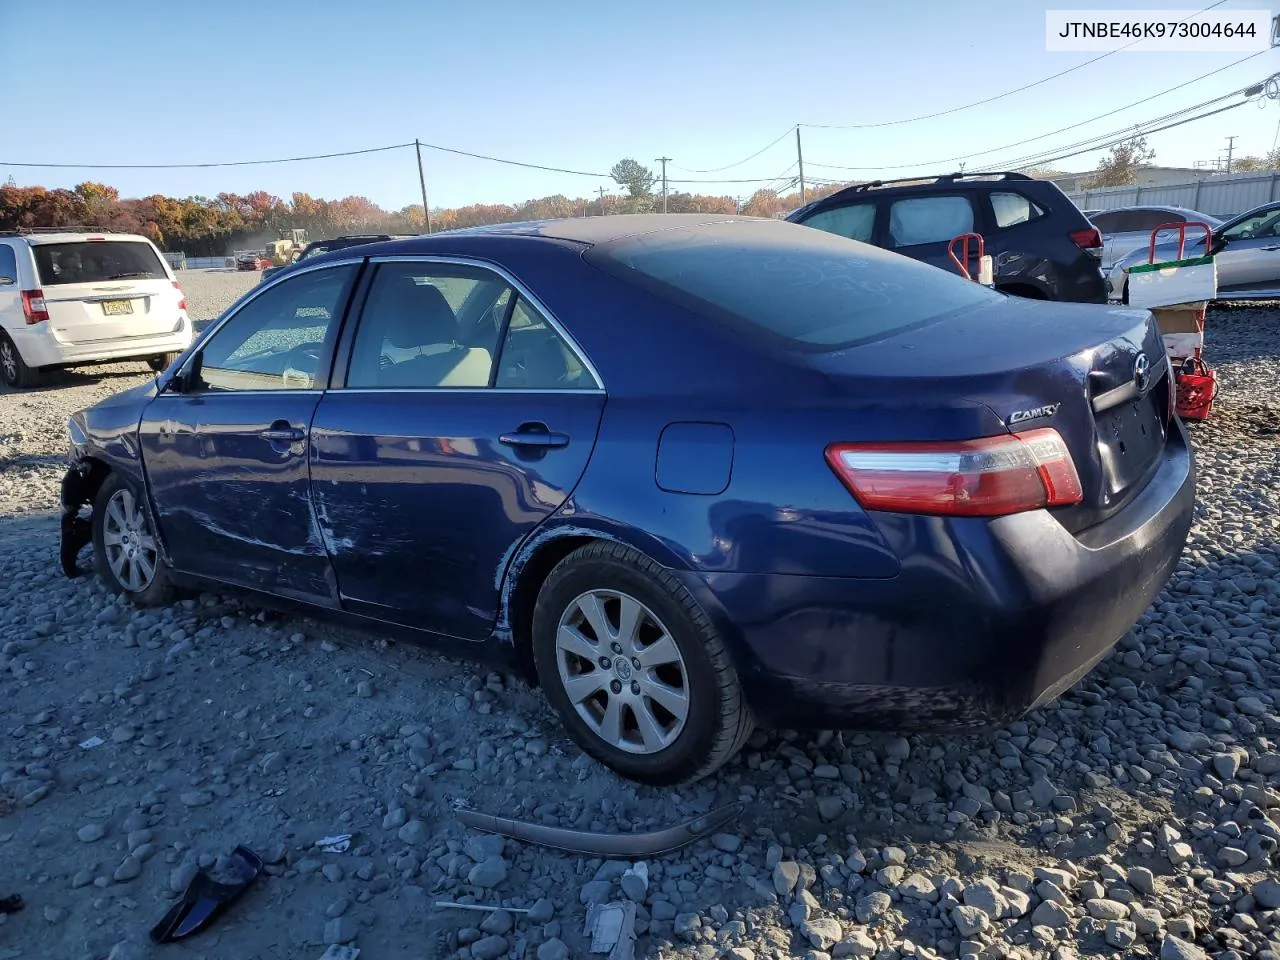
{"x": 1142, "y": 371}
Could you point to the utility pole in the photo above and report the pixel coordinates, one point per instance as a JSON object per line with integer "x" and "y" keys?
{"x": 1231, "y": 148}
{"x": 422, "y": 182}
{"x": 603, "y": 211}
{"x": 800, "y": 160}
{"x": 663, "y": 161}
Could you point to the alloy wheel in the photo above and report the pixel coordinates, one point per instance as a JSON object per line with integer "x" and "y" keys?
{"x": 130, "y": 545}
{"x": 8, "y": 360}
{"x": 622, "y": 671}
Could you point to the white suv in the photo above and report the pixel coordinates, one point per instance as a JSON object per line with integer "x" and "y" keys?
{"x": 68, "y": 299}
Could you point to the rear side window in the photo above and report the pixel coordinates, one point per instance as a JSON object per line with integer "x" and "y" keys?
{"x": 855, "y": 222}
{"x": 93, "y": 261}
{"x": 1011, "y": 209}
{"x": 929, "y": 220}
{"x": 799, "y": 288}
{"x": 8, "y": 266}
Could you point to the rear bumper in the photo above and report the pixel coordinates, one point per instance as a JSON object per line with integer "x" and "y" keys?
{"x": 987, "y": 619}
{"x": 40, "y": 349}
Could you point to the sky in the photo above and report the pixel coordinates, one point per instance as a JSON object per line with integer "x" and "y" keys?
{"x": 577, "y": 85}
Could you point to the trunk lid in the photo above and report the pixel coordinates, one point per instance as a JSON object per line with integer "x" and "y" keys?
{"x": 1073, "y": 367}
{"x": 97, "y": 290}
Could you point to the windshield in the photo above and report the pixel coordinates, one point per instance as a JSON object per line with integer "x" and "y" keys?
{"x": 806, "y": 288}
{"x": 314, "y": 251}
{"x": 94, "y": 261}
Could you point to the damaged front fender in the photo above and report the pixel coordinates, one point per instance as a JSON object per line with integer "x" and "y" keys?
{"x": 79, "y": 484}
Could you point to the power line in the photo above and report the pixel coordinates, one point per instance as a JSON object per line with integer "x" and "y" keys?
{"x": 183, "y": 166}
{"x": 1101, "y": 116}
{"x": 998, "y": 96}
{"x": 730, "y": 166}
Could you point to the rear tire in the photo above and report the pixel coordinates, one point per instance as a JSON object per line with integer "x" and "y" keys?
{"x": 668, "y": 707}
{"x": 13, "y": 369}
{"x": 126, "y": 548}
{"x": 161, "y": 362}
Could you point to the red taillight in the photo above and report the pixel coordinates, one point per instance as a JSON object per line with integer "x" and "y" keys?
{"x": 33, "y": 306}
{"x": 182, "y": 304}
{"x": 1090, "y": 240}
{"x": 988, "y": 477}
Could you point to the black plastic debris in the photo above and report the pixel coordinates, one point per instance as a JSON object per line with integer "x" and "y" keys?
{"x": 10, "y": 904}
{"x": 205, "y": 898}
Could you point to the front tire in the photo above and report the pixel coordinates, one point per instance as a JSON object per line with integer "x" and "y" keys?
{"x": 161, "y": 362}
{"x": 636, "y": 670}
{"x": 13, "y": 369}
{"x": 125, "y": 546}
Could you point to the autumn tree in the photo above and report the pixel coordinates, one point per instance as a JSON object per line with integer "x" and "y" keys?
{"x": 637, "y": 178}
{"x": 1120, "y": 167}
{"x": 1269, "y": 161}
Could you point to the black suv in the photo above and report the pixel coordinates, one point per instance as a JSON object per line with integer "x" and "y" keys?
{"x": 1041, "y": 245}
{"x": 317, "y": 247}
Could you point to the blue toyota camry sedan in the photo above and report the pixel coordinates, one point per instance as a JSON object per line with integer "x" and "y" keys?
{"x": 687, "y": 473}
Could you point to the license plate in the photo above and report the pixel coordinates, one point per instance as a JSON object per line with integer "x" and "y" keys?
{"x": 1130, "y": 439}
{"x": 117, "y": 308}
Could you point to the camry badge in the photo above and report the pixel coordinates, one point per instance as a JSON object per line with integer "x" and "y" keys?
{"x": 1035, "y": 413}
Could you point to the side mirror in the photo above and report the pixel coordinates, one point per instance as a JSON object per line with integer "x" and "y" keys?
{"x": 1219, "y": 243}
{"x": 185, "y": 379}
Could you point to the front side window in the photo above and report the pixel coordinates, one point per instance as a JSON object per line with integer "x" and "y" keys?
{"x": 536, "y": 357}
{"x": 276, "y": 340}
{"x": 96, "y": 261}
{"x": 1265, "y": 224}
{"x": 857, "y": 222}
{"x": 1011, "y": 209}
{"x": 929, "y": 220}
{"x": 415, "y": 334}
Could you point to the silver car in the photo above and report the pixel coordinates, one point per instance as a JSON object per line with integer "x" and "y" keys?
{"x": 1125, "y": 229}
{"x": 1247, "y": 250}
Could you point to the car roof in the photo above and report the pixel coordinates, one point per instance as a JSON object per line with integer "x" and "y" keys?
{"x": 38, "y": 238}
{"x": 1162, "y": 207}
{"x": 584, "y": 231}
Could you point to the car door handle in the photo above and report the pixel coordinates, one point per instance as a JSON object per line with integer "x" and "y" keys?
{"x": 534, "y": 435}
{"x": 283, "y": 434}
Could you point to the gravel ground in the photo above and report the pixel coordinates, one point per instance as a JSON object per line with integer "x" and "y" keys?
{"x": 1135, "y": 817}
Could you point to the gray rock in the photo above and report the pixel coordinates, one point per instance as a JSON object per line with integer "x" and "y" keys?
{"x": 341, "y": 930}
{"x": 332, "y": 872}
{"x": 553, "y": 949}
{"x": 1142, "y": 880}
{"x": 986, "y": 896}
{"x": 1171, "y": 948}
{"x": 830, "y": 808}
{"x": 786, "y": 874}
{"x": 634, "y": 886}
{"x": 1232, "y": 857}
{"x": 969, "y": 921}
{"x": 1267, "y": 893}
{"x": 413, "y": 832}
{"x": 1147, "y": 920}
{"x": 1043, "y": 792}
{"x": 541, "y": 911}
{"x": 1120, "y": 933}
{"x": 395, "y": 819}
{"x": 490, "y": 948}
{"x": 498, "y": 923}
{"x": 822, "y": 932}
{"x": 1050, "y": 914}
{"x": 1226, "y": 765}
{"x": 196, "y": 798}
{"x": 488, "y": 873}
{"x": 595, "y": 891}
{"x": 856, "y": 944}
{"x": 91, "y": 833}
{"x": 919, "y": 887}
{"x": 726, "y": 842}
{"x": 1251, "y": 706}
{"x": 872, "y": 906}
{"x": 484, "y": 846}
{"x": 1107, "y": 910}
{"x": 1267, "y": 764}
{"x": 898, "y": 749}
{"x": 130, "y": 869}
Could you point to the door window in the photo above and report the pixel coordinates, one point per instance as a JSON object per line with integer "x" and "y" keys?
{"x": 929, "y": 220}
{"x": 536, "y": 357}
{"x": 1011, "y": 209}
{"x": 1265, "y": 224}
{"x": 855, "y": 222}
{"x": 277, "y": 339}
{"x": 428, "y": 325}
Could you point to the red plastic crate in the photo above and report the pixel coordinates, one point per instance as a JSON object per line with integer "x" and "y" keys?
{"x": 1197, "y": 387}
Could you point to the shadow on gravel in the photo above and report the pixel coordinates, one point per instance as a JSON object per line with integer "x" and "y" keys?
{"x": 55, "y": 380}
{"x": 32, "y": 461}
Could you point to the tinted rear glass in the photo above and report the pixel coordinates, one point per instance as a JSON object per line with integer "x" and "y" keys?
{"x": 807, "y": 287}
{"x": 94, "y": 261}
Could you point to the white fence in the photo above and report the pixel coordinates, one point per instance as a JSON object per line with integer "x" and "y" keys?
{"x": 180, "y": 261}
{"x": 1218, "y": 196}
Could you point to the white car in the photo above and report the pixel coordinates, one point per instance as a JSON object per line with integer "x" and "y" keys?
{"x": 1126, "y": 229}
{"x": 68, "y": 299}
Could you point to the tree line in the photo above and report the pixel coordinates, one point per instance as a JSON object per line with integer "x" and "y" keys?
{"x": 215, "y": 226}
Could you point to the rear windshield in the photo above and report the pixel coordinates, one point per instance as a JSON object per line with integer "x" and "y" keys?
{"x": 805, "y": 287}
{"x": 93, "y": 261}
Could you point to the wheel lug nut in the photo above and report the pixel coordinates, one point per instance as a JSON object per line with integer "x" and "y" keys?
{"x": 616, "y": 687}
{"x": 635, "y": 662}
{"x": 635, "y": 688}
{"x": 604, "y": 662}
{"x": 617, "y": 648}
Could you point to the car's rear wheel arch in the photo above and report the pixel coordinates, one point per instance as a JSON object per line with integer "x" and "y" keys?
{"x": 528, "y": 581}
